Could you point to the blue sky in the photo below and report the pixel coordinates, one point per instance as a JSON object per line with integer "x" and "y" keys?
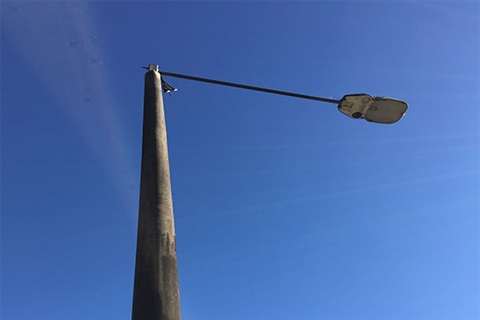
{"x": 284, "y": 208}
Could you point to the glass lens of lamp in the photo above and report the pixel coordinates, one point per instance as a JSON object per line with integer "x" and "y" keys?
{"x": 386, "y": 110}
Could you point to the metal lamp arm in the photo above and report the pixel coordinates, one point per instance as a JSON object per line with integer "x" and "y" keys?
{"x": 244, "y": 86}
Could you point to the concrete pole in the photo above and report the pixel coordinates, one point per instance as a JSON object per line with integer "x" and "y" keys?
{"x": 156, "y": 292}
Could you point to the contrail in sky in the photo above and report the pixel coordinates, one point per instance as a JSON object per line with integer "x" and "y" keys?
{"x": 59, "y": 43}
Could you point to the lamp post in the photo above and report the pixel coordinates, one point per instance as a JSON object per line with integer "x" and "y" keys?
{"x": 156, "y": 293}
{"x": 156, "y": 290}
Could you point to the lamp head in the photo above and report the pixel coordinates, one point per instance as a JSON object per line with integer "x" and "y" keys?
{"x": 373, "y": 109}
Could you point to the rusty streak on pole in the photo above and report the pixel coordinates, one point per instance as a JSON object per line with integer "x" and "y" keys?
{"x": 156, "y": 292}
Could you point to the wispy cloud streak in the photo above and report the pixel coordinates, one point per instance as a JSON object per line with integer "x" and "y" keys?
{"x": 58, "y": 41}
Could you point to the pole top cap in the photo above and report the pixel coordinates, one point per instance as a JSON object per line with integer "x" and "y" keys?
{"x": 152, "y": 67}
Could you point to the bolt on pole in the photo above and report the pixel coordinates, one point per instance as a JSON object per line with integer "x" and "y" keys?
{"x": 156, "y": 290}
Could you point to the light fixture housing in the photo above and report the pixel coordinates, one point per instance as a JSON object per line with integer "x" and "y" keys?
{"x": 373, "y": 109}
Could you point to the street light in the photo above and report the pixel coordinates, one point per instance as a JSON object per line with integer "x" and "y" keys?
{"x": 373, "y": 109}
{"x": 156, "y": 290}
{"x": 356, "y": 106}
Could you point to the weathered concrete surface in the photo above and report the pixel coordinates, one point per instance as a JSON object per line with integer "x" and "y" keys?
{"x": 156, "y": 293}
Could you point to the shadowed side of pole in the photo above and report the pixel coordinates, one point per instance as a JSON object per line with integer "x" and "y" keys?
{"x": 156, "y": 290}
